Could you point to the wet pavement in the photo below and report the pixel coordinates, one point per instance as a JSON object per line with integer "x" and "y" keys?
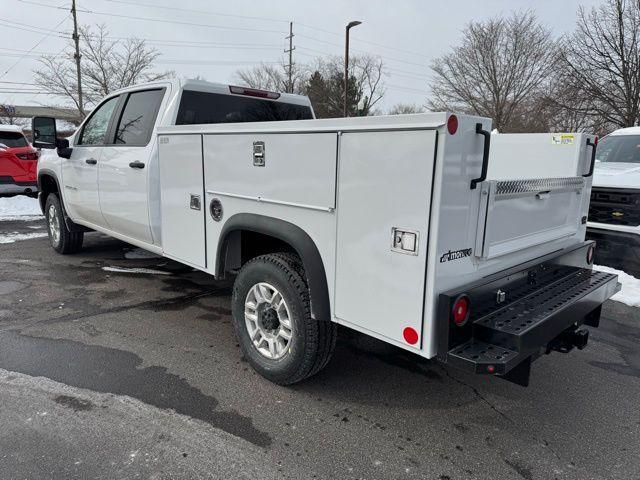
{"x": 134, "y": 362}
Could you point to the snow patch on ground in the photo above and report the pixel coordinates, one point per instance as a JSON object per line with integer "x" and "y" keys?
{"x": 19, "y": 208}
{"x": 630, "y": 293}
{"x": 149, "y": 271}
{"x": 15, "y": 236}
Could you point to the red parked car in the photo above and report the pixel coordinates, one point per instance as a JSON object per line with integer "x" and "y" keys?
{"x": 18, "y": 163}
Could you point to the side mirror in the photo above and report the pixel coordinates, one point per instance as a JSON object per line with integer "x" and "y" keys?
{"x": 63, "y": 148}
{"x": 44, "y": 132}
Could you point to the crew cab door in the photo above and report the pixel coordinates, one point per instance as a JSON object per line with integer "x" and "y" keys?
{"x": 80, "y": 172}
{"x": 124, "y": 166}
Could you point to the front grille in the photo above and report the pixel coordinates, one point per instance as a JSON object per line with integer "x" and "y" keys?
{"x": 615, "y": 206}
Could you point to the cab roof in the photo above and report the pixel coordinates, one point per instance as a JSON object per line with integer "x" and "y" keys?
{"x": 626, "y": 131}
{"x": 212, "y": 87}
{"x": 10, "y": 128}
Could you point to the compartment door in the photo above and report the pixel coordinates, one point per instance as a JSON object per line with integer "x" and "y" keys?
{"x": 384, "y": 197}
{"x": 182, "y": 198}
{"x": 519, "y": 214}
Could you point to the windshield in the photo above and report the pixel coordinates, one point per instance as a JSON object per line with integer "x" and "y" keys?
{"x": 13, "y": 139}
{"x": 619, "y": 148}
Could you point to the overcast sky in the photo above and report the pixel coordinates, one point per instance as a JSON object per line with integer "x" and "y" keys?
{"x": 407, "y": 34}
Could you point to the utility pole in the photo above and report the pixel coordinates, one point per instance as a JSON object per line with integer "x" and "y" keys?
{"x": 76, "y": 56}
{"x": 290, "y": 52}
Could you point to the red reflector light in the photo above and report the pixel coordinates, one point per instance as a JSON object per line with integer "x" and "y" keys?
{"x": 491, "y": 369}
{"x": 252, "y": 92}
{"x": 410, "y": 336}
{"x": 452, "y": 125}
{"x": 590, "y": 254}
{"x": 460, "y": 310}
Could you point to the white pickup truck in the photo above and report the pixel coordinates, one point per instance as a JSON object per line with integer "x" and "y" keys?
{"x": 614, "y": 214}
{"x": 420, "y": 230}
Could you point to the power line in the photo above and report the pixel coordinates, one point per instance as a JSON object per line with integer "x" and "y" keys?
{"x": 159, "y": 20}
{"x": 390, "y": 59}
{"x": 22, "y": 51}
{"x": 212, "y": 62}
{"x": 246, "y": 17}
{"x": 408, "y": 89}
{"x": 21, "y": 54}
{"x": 203, "y": 12}
{"x": 33, "y": 48}
{"x": 401, "y": 50}
{"x": 28, "y": 28}
{"x": 16, "y": 83}
{"x": 39, "y": 29}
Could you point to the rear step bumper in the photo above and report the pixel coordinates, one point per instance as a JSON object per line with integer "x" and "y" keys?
{"x": 549, "y": 303}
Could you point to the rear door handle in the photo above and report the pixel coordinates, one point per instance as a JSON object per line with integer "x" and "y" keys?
{"x": 91, "y": 161}
{"x": 136, "y": 164}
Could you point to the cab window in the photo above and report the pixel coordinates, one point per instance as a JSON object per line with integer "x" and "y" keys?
{"x": 204, "y": 107}
{"x": 95, "y": 129}
{"x": 138, "y": 118}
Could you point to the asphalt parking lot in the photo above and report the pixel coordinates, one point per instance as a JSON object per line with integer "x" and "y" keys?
{"x": 116, "y": 364}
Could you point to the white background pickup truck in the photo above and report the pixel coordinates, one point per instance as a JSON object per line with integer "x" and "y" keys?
{"x": 614, "y": 214}
{"x": 420, "y": 230}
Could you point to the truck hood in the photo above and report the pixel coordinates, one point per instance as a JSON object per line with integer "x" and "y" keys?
{"x": 616, "y": 175}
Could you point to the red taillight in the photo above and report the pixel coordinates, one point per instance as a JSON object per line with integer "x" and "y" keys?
{"x": 460, "y": 310}
{"x": 252, "y": 92}
{"x": 28, "y": 156}
{"x": 452, "y": 125}
{"x": 590, "y": 254}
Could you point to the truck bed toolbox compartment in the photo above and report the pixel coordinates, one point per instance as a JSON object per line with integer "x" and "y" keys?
{"x": 518, "y": 214}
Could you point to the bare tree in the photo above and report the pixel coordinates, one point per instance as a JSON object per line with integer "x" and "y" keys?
{"x": 499, "y": 66}
{"x": 405, "y": 108}
{"x": 369, "y": 73}
{"x": 273, "y": 77}
{"x": 365, "y": 88}
{"x": 106, "y": 65}
{"x": 601, "y": 65}
{"x": 323, "y": 82}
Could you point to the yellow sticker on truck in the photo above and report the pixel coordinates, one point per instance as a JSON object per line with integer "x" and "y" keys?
{"x": 563, "y": 139}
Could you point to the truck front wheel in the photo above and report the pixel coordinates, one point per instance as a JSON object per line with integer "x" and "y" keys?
{"x": 62, "y": 240}
{"x": 272, "y": 320}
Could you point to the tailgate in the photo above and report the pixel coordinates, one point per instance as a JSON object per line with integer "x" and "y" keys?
{"x": 517, "y": 214}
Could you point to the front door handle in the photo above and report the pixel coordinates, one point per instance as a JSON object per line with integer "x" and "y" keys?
{"x": 91, "y": 161}
{"x": 136, "y": 164}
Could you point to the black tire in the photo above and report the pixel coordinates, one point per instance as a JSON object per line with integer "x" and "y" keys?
{"x": 62, "y": 240}
{"x": 312, "y": 341}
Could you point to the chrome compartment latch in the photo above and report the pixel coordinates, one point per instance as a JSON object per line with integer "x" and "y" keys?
{"x": 258, "y": 154}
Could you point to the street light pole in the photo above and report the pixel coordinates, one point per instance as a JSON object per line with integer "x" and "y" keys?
{"x": 346, "y": 65}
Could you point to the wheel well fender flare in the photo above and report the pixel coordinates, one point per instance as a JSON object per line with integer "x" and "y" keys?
{"x": 73, "y": 227}
{"x": 47, "y": 173}
{"x": 298, "y": 239}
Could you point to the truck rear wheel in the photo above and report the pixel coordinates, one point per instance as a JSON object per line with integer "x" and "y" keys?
{"x": 62, "y": 240}
{"x": 272, "y": 320}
